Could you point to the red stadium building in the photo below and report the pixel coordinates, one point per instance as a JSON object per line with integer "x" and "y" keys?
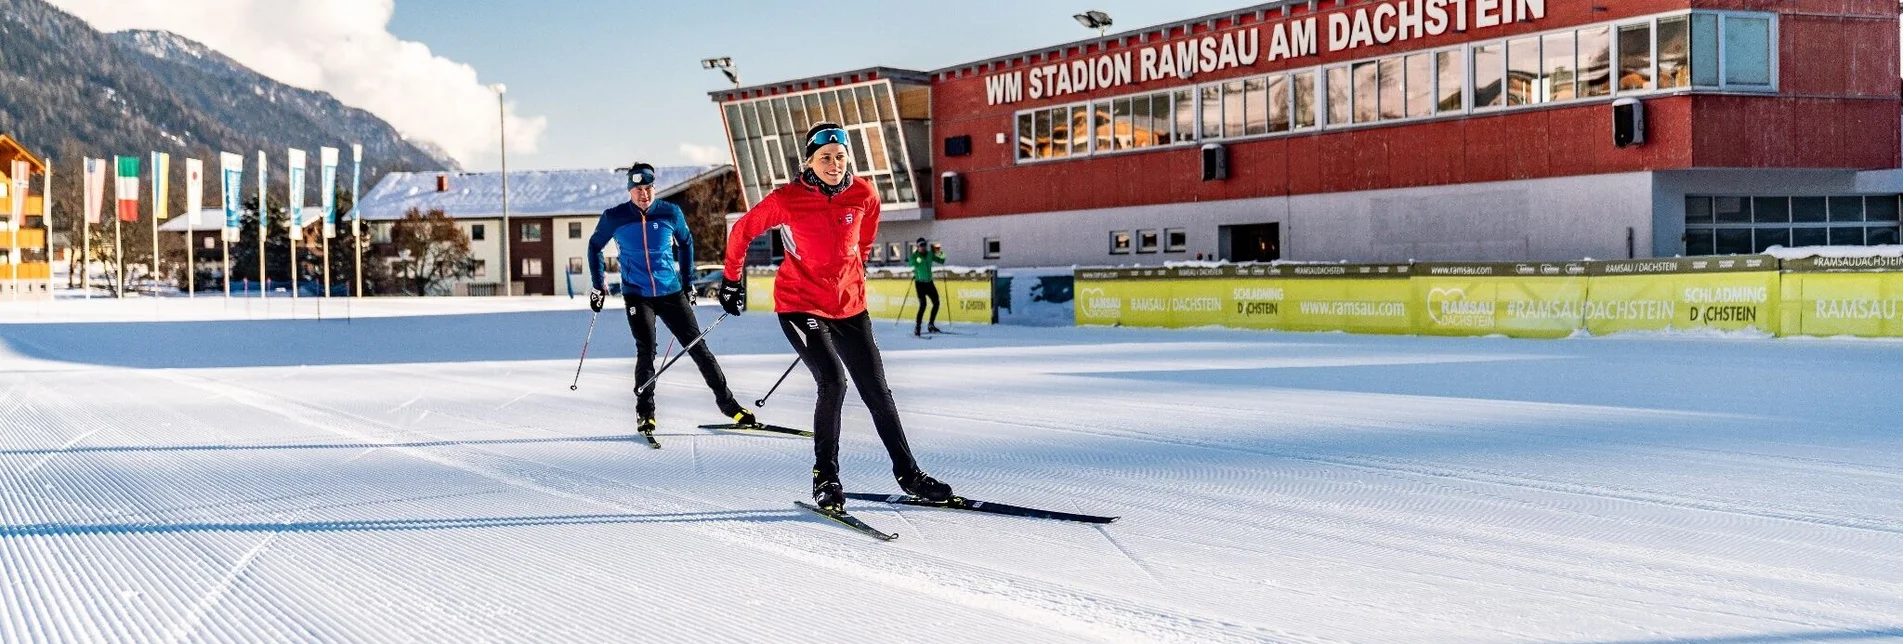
{"x": 1381, "y": 130}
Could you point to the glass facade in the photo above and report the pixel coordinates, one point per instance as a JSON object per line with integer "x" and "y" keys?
{"x": 1598, "y": 61}
{"x": 765, "y": 134}
{"x": 1731, "y": 225}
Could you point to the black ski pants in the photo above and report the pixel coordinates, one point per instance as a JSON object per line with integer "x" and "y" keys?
{"x": 832, "y": 350}
{"x": 926, "y": 291}
{"x": 673, "y": 311}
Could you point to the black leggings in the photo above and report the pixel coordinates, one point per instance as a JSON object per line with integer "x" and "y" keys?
{"x": 679, "y": 317}
{"x": 824, "y": 344}
{"x": 926, "y": 291}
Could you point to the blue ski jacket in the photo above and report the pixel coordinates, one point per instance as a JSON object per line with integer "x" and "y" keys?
{"x": 655, "y": 248}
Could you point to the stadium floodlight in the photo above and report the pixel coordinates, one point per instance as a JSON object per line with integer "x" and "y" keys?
{"x": 725, "y": 65}
{"x": 1094, "y": 19}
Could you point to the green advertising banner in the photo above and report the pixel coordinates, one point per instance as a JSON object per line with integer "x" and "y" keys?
{"x": 1327, "y": 297}
{"x": 1830, "y": 296}
{"x": 1522, "y": 300}
{"x": 964, "y": 296}
{"x": 1710, "y": 293}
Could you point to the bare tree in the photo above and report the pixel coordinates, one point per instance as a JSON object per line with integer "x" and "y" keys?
{"x": 430, "y": 251}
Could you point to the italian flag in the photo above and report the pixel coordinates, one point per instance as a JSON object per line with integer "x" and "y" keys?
{"x": 128, "y": 188}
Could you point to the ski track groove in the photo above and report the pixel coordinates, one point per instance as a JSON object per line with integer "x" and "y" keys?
{"x": 1056, "y": 602}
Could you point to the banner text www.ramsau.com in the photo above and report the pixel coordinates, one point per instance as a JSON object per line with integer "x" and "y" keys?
{"x": 1363, "y": 309}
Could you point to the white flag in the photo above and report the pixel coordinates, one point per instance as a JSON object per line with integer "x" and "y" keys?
{"x": 296, "y": 205}
{"x": 194, "y": 191}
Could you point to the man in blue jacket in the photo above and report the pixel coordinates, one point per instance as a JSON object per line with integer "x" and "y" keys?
{"x": 656, "y": 254}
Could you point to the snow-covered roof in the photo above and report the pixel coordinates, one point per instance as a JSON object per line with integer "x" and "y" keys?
{"x": 542, "y": 193}
{"x": 214, "y": 219}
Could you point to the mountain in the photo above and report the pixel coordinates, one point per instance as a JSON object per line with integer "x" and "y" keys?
{"x": 64, "y": 84}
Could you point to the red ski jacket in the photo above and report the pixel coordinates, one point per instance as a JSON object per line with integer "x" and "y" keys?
{"x": 827, "y": 241}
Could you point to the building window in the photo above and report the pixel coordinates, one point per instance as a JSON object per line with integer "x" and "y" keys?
{"x": 611, "y": 264}
{"x": 1559, "y": 75}
{"x": 576, "y": 267}
{"x": 1338, "y": 88}
{"x": 1146, "y": 241}
{"x": 574, "y": 230}
{"x": 1747, "y": 51}
{"x": 1212, "y": 112}
{"x": 1489, "y": 72}
{"x": 380, "y": 233}
{"x": 1742, "y": 225}
{"x": 1185, "y": 115}
{"x": 1595, "y": 62}
{"x": 1674, "y": 49}
{"x": 1175, "y": 240}
{"x": 1451, "y": 76}
{"x": 532, "y": 232}
{"x": 477, "y": 232}
{"x": 993, "y": 249}
{"x": 1077, "y": 129}
{"x": 1366, "y": 95}
{"x": 479, "y": 268}
{"x": 1635, "y": 57}
{"x": 1027, "y": 137}
{"x": 1235, "y": 110}
{"x": 1420, "y": 85}
{"x": 896, "y": 251}
{"x": 1120, "y": 242}
{"x": 1393, "y": 104}
{"x": 1304, "y": 100}
{"x": 211, "y": 243}
{"x": 532, "y": 267}
{"x": 1523, "y": 71}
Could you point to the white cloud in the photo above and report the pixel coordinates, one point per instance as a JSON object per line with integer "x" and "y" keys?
{"x": 339, "y": 46}
{"x": 704, "y": 154}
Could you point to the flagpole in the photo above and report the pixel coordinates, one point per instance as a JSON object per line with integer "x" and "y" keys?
{"x": 263, "y": 282}
{"x": 356, "y": 209}
{"x": 46, "y": 222}
{"x": 86, "y": 230}
{"x": 157, "y": 180}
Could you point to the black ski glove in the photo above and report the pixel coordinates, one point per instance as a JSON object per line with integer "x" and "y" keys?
{"x": 693, "y": 296}
{"x": 733, "y": 296}
{"x": 595, "y": 299}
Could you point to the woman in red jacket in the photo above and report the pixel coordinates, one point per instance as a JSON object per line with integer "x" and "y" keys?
{"x": 831, "y": 219}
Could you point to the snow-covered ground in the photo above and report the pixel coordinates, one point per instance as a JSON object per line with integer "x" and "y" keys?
{"x": 196, "y": 474}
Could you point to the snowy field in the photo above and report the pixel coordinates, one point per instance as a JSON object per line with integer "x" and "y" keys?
{"x": 187, "y": 471}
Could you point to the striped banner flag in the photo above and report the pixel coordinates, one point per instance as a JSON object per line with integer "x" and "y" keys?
{"x": 128, "y": 188}
{"x": 161, "y": 186}
{"x": 95, "y": 189}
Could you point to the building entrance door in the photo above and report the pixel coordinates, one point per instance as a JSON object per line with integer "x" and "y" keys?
{"x": 1250, "y": 242}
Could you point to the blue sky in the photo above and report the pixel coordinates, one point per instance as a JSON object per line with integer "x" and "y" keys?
{"x": 621, "y": 79}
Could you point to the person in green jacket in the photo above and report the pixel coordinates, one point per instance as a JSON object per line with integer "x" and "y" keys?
{"x": 923, "y": 256}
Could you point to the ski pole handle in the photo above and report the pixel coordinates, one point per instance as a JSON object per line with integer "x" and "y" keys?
{"x": 776, "y": 384}
{"x": 684, "y": 350}
{"x": 584, "y": 350}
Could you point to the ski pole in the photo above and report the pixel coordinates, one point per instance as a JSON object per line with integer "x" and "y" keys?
{"x": 584, "y": 350}
{"x": 776, "y": 384}
{"x": 900, "y": 320}
{"x": 684, "y": 351}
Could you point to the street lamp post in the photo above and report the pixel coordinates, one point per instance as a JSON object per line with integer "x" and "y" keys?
{"x": 726, "y": 66}
{"x": 1094, "y": 19}
{"x": 502, "y": 122}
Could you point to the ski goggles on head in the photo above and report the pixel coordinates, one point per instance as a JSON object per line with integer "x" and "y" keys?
{"x": 640, "y": 178}
{"x": 828, "y": 135}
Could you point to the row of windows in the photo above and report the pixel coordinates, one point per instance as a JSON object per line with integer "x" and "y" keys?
{"x": 1743, "y": 225}
{"x": 1777, "y": 210}
{"x": 1701, "y": 49}
{"x": 1171, "y": 240}
{"x": 767, "y": 147}
{"x": 1745, "y": 240}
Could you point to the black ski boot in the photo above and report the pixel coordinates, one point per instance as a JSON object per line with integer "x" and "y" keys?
{"x": 745, "y": 418}
{"x": 933, "y": 329}
{"x": 645, "y": 426}
{"x": 923, "y": 486}
{"x": 828, "y": 494}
